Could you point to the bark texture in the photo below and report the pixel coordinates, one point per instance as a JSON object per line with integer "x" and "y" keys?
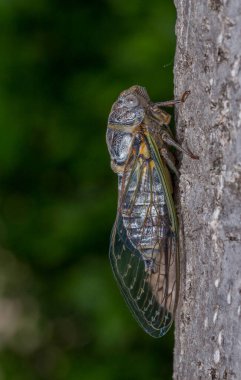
{"x": 208, "y": 63}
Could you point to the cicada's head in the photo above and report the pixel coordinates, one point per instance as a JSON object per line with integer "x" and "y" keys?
{"x": 129, "y": 108}
{"x": 126, "y": 115}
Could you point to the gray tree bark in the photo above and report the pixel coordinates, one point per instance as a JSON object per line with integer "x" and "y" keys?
{"x": 208, "y": 63}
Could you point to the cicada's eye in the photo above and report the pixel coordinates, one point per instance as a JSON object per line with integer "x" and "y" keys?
{"x": 120, "y": 103}
{"x": 131, "y": 101}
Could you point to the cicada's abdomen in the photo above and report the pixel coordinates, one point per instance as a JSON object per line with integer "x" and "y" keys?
{"x": 144, "y": 212}
{"x": 141, "y": 197}
{"x": 147, "y": 224}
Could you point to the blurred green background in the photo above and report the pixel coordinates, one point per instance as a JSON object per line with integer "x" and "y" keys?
{"x": 63, "y": 63}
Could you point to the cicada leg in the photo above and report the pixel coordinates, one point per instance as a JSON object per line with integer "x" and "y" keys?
{"x": 171, "y": 103}
{"x": 168, "y": 157}
{"x": 169, "y": 140}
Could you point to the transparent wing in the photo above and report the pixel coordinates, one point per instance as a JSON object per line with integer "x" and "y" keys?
{"x": 144, "y": 249}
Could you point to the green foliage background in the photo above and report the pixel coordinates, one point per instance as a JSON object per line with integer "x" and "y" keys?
{"x": 62, "y": 66}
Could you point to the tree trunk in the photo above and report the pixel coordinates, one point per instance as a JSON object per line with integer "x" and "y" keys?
{"x": 208, "y": 63}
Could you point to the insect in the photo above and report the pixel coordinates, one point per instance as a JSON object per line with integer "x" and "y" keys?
{"x": 144, "y": 252}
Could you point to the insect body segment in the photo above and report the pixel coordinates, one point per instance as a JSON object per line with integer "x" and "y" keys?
{"x": 144, "y": 241}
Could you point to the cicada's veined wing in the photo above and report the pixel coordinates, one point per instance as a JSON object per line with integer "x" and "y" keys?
{"x": 144, "y": 248}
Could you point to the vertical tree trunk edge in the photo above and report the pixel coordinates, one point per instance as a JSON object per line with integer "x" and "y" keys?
{"x": 208, "y": 63}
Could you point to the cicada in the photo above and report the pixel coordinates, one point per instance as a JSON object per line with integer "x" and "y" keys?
{"x": 144, "y": 251}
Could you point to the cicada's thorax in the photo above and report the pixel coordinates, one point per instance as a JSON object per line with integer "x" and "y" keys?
{"x": 141, "y": 198}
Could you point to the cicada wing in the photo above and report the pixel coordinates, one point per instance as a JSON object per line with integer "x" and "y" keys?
{"x": 164, "y": 179}
{"x": 146, "y": 276}
{"x": 149, "y": 296}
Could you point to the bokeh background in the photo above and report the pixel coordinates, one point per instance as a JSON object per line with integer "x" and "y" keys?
{"x": 62, "y": 65}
